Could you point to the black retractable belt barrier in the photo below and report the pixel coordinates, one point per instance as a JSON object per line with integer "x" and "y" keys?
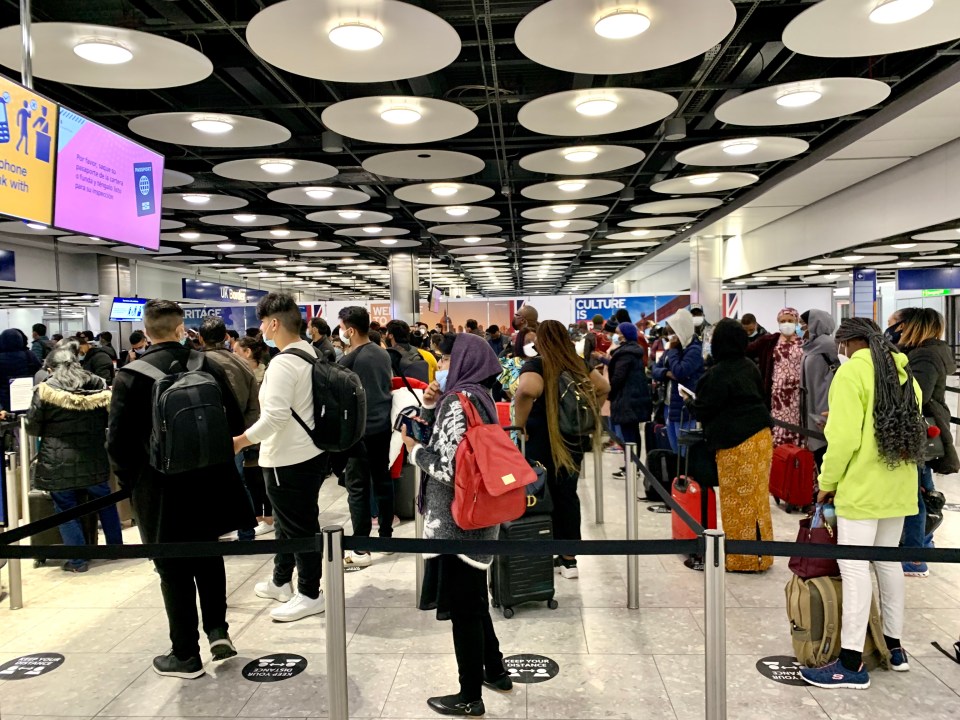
{"x": 668, "y": 499}
{"x": 48, "y": 523}
{"x": 806, "y": 432}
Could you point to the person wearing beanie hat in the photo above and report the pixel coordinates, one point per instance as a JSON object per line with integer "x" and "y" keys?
{"x": 682, "y": 364}
{"x": 630, "y": 401}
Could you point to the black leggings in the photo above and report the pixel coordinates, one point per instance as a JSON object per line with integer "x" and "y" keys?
{"x": 257, "y": 486}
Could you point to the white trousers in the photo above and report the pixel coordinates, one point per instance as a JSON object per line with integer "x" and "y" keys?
{"x": 858, "y": 587}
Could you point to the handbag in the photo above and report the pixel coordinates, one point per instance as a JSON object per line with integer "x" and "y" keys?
{"x": 933, "y": 450}
{"x": 933, "y": 501}
{"x": 807, "y": 568}
{"x": 539, "y": 501}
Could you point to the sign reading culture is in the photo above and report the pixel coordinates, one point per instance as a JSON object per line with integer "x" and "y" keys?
{"x": 28, "y": 143}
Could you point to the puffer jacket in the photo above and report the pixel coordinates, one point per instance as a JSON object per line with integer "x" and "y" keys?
{"x": 931, "y": 363}
{"x": 630, "y": 401}
{"x": 72, "y": 427}
{"x": 16, "y": 361}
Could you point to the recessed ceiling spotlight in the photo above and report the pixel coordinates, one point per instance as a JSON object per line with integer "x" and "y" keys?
{"x": 245, "y": 218}
{"x": 563, "y": 209}
{"x": 280, "y": 233}
{"x": 190, "y": 235}
{"x": 349, "y": 214}
{"x": 596, "y": 107}
{"x": 472, "y": 240}
{"x": 740, "y": 147}
{"x": 853, "y": 258}
{"x": 549, "y": 255}
{"x": 444, "y": 189}
{"x": 319, "y": 193}
{"x": 277, "y": 167}
{"x": 799, "y": 98}
{"x": 373, "y": 229}
{"x": 347, "y": 260}
{"x": 212, "y": 125}
{"x": 483, "y": 257}
{"x": 400, "y": 116}
{"x": 622, "y": 24}
{"x": 102, "y": 51}
{"x": 554, "y": 236}
{"x": 281, "y": 261}
{"x": 195, "y": 199}
{"x": 815, "y": 267}
{"x": 388, "y": 241}
{"x": 707, "y": 179}
{"x": 559, "y": 223}
{"x": 580, "y": 155}
{"x": 36, "y": 226}
{"x": 456, "y": 210}
{"x": 904, "y": 246}
{"x": 892, "y": 12}
{"x": 227, "y": 246}
{"x": 307, "y": 243}
{"x": 905, "y": 263}
{"x": 355, "y": 36}
{"x": 572, "y": 185}
{"x": 639, "y": 233}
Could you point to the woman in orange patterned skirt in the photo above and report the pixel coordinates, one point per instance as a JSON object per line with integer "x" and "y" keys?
{"x": 736, "y": 424}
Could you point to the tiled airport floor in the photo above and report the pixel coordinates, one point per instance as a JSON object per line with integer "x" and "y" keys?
{"x": 614, "y": 662}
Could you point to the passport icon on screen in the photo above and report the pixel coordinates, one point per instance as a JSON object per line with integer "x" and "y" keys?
{"x": 143, "y": 183}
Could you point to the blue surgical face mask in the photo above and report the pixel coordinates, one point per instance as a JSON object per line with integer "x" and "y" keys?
{"x": 81, "y": 356}
{"x": 270, "y": 343}
{"x": 183, "y": 340}
{"x": 441, "y": 378}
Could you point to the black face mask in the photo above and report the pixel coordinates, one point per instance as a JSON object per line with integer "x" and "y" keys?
{"x": 894, "y": 332}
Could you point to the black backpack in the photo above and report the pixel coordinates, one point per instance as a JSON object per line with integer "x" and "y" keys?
{"x": 409, "y": 364}
{"x": 339, "y": 404}
{"x": 576, "y": 415}
{"x": 190, "y": 427}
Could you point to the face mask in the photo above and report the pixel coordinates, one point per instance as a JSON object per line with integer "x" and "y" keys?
{"x": 615, "y": 340}
{"x": 270, "y": 343}
{"x": 699, "y": 320}
{"x": 800, "y": 332}
{"x": 843, "y": 358}
{"x": 344, "y": 338}
{"x": 894, "y": 332}
{"x": 441, "y": 378}
{"x": 81, "y": 356}
{"x": 788, "y": 329}
{"x": 529, "y": 350}
{"x": 139, "y": 351}
{"x": 183, "y": 340}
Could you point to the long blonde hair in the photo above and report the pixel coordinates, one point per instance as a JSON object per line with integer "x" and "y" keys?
{"x": 558, "y": 355}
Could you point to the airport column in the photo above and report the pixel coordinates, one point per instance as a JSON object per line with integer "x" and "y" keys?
{"x": 706, "y": 275}
{"x": 404, "y": 287}
{"x": 114, "y": 280}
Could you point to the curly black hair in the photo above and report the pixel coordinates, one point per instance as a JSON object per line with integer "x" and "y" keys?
{"x": 899, "y": 426}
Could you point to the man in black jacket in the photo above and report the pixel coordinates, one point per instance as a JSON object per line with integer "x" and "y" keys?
{"x": 320, "y": 339}
{"x": 405, "y": 359}
{"x": 95, "y": 359}
{"x": 194, "y": 506}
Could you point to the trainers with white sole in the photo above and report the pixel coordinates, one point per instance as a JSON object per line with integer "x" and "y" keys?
{"x": 298, "y": 607}
{"x": 267, "y": 589}
{"x": 354, "y": 559}
{"x": 263, "y": 528}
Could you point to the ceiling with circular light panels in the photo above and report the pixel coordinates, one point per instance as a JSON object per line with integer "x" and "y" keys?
{"x": 512, "y": 145}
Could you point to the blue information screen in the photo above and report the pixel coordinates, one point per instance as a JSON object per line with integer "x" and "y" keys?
{"x": 127, "y": 309}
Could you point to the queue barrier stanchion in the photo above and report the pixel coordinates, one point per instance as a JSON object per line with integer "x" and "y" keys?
{"x": 13, "y": 512}
{"x": 715, "y": 655}
{"x": 418, "y": 534}
{"x": 25, "y": 472}
{"x": 633, "y": 527}
{"x": 336, "y": 622}
{"x": 598, "y": 482}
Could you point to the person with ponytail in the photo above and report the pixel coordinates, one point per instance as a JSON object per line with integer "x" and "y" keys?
{"x": 875, "y": 441}
{"x": 537, "y": 410}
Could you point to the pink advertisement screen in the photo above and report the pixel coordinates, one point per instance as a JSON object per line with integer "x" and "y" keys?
{"x": 107, "y": 186}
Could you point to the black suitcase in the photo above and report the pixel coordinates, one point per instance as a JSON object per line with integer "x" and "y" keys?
{"x": 41, "y": 506}
{"x": 405, "y": 500}
{"x": 665, "y": 466}
{"x": 524, "y": 578}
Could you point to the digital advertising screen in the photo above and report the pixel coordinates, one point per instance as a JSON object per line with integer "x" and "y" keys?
{"x": 106, "y": 186}
{"x": 127, "y": 309}
{"x": 28, "y": 143}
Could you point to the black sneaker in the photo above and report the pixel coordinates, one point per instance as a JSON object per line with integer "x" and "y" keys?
{"x": 619, "y": 474}
{"x": 78, "y": 568}
{"x": 170, "y": 665}
{"x": 566, "y": 568}
{"x": 453, "y": 705}
{"x": 221, "y": 646}
{"x": 694, "y": 562}
{"x": 501, "y": 684}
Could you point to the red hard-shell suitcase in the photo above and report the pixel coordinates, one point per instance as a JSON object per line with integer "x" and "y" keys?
{"x": 791, "y": 476}
{"x": 699, "y": 503}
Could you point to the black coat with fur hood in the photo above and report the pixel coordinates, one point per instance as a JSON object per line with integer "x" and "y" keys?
{"x": 72, "y": 427}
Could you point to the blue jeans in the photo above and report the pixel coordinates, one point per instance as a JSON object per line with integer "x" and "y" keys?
{"x": 673, "y": 431}
{"x": 72, "y": 532}
{"x": 915, "y": 525}
{"x": 246, "y": 533}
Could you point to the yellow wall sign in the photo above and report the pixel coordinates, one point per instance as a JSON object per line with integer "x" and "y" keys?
{"x": 28, "y": 148}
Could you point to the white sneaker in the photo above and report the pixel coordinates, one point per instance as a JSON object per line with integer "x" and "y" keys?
{"x": 263, "y": 528}
{"x": 355, "y": 559}
{"x": 298, "y": 607}
{"x": 230, "y": 537}
{"x": 268, "y": 590}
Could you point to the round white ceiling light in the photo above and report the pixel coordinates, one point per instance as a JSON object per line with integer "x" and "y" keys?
{"x": 639, "y": 233}
{"x": 892, "y": 12}
{"x": 740, "y": 147}
{"x": 853, "y": 258}
{"x": 580, "y": 155}
{"x": 388, "y": 241}
{"x": 195, "y": 199}
{"x": 36, "y": 226}
{"x": 190, "y": 235}
{"x": 472, "y": 240}
{"x": 596, "y": 107}
{"x": 444, "y": 190}
{"x": 349, "y": 214}
{"x": 904, "y": 246}
{"x": 245, "y": 218}
{"x": 564, "y": 209}
{"x": 457, "y": 210}
{"x": 102, "y": 51}
{"x": 400, "y": 116}
{"x": 622, "y": 24}
{"x": 212, "y": 125}
{"x": 373, "y": 229}
{"x": 559, "y": 223}
{"x": 572, "y": 185}
{"x": 319, "y": 193}
{"x": 701, "y": 180}
{"x": 555, "y": 235}
{"x": 799, "y": 98}
{"x": 277, "y": 167}
{"x": 227, "y": 246}
{"x": 355, "y": 36}
{"x": 307, "y": 243}
{"x": 280, "y": 233}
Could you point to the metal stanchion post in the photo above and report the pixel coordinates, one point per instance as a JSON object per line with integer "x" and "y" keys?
{"x": 25, "y": 456}
{"x": 598, "y": 482}
{"x": 633, "y": 527}
{"x": 336, "y": 622}
{"x": 715, "y": 657}
{"x": 13, "y": 508}
{"x": 418, "y": 534}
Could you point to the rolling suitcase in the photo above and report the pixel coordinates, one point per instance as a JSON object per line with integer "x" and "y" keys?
{"x": 41, "y": 506}
{"x": 700, "y": 503}
{"x": 518, "y": 579}
{"x": 791, "y": 476}
{"x": 661, "y": 440}
{"x": 664, "y": 465}
{"x": 404, "y": 504}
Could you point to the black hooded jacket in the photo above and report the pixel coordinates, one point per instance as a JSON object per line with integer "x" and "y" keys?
{"x": 630, "y": 401}
{"x": 16, "y": 361}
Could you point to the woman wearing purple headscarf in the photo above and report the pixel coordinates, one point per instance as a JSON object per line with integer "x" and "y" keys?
{"x": 456, "y": 585}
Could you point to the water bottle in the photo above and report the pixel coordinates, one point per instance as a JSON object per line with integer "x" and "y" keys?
{"x": 830, "y": 514}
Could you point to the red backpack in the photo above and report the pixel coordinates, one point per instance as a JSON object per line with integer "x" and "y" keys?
{"x": 491, "y": 475}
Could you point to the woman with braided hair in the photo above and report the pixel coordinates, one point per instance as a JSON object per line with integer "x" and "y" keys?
{"x": 875, "y": 441}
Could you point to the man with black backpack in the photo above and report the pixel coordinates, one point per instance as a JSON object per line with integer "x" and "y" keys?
{"x": 177, "y": 460}
{"x": 406, "y": 360}
{"x": 293, "y": 466}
